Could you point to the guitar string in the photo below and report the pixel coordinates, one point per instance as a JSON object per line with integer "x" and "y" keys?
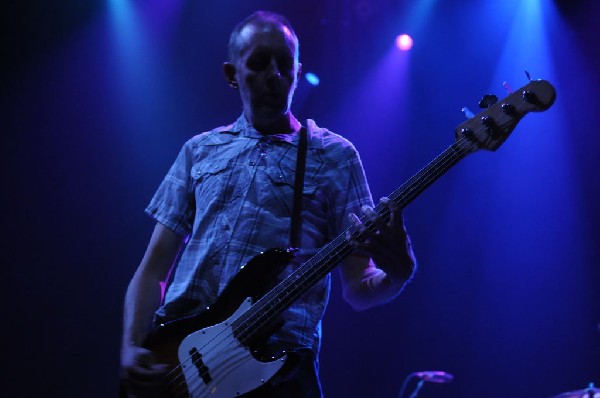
{"x": 453, "y": 155}
{"x": 318, "y": 271}
{"x": 411, "y": 191}
{"x": 337, "y": 250}
{"x": 307, "y": 273}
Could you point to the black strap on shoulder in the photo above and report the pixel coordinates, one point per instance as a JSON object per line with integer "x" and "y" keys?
{"x": 296, "y": 228}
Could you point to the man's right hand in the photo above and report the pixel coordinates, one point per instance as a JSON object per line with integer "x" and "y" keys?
{"x": 141, "y": 374}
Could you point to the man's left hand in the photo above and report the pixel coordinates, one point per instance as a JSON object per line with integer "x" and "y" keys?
{"x": 387, "y": 243}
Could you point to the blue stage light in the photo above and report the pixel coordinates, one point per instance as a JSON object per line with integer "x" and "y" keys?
{"x": 312, "y": 78}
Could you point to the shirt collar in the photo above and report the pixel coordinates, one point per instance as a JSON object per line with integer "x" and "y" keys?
{"x": 242, "y": 126}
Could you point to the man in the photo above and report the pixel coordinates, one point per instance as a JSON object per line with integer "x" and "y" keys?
{"x": 228, "y": 197}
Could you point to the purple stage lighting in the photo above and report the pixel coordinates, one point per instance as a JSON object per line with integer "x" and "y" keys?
{"x": 404, "y": 42}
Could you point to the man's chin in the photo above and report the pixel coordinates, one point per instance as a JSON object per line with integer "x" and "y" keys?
{"x": 270, "y": 113}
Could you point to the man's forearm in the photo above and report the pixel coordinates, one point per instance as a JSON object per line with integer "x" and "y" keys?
{"x": 375, "y": 288}
{"x": 141, "y": 301}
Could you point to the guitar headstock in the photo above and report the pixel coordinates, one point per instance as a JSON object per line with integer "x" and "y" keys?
{"x": 491, "y": 127}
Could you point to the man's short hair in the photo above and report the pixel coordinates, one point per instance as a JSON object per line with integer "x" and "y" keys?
{"x": 257, "y": 18}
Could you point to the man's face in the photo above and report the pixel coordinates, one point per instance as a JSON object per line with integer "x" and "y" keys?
{"x": 266, "y": 71}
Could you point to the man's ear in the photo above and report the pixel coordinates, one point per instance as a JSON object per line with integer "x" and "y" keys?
{"x": 229, "y": 71}
{"x": 298, "y": 74}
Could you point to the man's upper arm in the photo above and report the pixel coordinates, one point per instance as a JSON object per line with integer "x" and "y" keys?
{"x": 162, "y": 251}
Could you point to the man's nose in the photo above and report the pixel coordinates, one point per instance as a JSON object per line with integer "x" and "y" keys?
{"x": 274, "y": 69}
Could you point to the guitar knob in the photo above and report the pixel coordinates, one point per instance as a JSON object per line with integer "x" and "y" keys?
{"x": 492, "y": 126}
{"x": 509, "y": 109}
{"x": 487, "y": 101}
{"x": 530, "y": 97}
{"x": 468, "y": 134}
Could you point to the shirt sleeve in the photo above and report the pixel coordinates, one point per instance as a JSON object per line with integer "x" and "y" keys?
{"x": 173, "y": 203}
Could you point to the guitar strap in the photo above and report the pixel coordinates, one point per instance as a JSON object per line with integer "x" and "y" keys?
{"x": 296, "y": 227}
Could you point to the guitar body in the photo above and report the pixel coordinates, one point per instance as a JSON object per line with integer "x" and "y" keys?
{"x": 204, "y": 351}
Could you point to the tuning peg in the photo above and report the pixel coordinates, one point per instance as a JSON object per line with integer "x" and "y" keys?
{"x": 507, "y": 87}
{"x": 492, "y": 126}
{"x": 468, "y": 113}
{"x": 528, "y": 75}
{"x": 487, "y": 101}
{"x": 531, "y": 97}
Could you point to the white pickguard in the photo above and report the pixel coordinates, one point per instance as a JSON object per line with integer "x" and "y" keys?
{"x": 232, "y": 368}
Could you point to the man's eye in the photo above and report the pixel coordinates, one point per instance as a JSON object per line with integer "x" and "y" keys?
{"x": 285, "y": 64}
{"x": 258, "y": 63}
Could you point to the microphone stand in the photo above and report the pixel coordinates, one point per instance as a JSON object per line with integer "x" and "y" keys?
{"x": 417, "y": 388}
{"x": 431, "y": 376}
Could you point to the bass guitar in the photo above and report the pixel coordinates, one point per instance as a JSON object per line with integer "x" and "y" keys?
{"x": 209, "y": 353}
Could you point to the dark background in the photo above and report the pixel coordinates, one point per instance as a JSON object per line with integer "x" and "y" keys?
{"x": 98, "y": 97}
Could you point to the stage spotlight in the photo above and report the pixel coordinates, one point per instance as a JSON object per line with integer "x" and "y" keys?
{"x": 312, "y": 78}
{"x": 404, "y": 42}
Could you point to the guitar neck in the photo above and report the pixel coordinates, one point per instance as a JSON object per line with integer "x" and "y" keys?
{"x": 428, "y": 174}
{"x": 329, "y": 256}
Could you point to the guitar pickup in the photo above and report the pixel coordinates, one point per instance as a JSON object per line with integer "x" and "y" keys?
{"x": 202, "y": 369}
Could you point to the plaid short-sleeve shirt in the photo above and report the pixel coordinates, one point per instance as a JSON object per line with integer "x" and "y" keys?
{"x": 230, "y": 193}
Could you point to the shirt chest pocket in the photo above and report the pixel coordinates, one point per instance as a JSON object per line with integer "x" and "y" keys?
{"x": 279, "y": 190}
{"x": 283, "y": 178}
{"x": 210, "y": 179}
